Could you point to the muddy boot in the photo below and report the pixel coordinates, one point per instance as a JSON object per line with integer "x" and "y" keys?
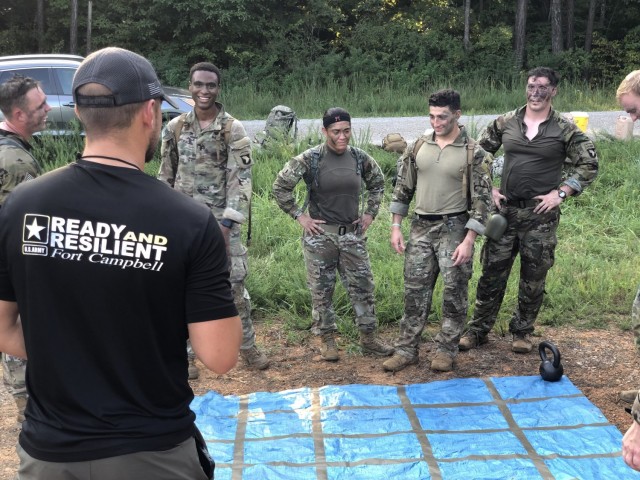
{"x": 370, "y": 343}
{"x": 628, "y": 396}
{"x": 21, "y": 403}
{"x": 194, "y": 373}
{"x": 521, "y": 343}
{"x": 328, "y": 347}
{"x": 254, "y": 358}
{"x": 398, "y": 362}
{"x": 472, "y": 340}
{"x": 442, "y": 362}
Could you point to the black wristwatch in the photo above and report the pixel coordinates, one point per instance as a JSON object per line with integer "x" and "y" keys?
{"x": 562, "y": 194}
{"x": 225, "y": 222}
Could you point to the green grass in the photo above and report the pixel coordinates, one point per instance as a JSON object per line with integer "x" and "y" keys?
{"x": 591, "y": 285}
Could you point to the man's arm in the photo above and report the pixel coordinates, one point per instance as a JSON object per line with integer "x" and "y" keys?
{"x": 481, "y": 194}
{"x": 584, "y": 158}
{"x": 374, "y": 182}
{"x": 239, "y": 178}
{"x": 16, "y": 166}
{"x": 217, "y": 343}
{"x": 11, "y": 336}
{"x": 168, "y": 155}
{"x": 405, "y": 183}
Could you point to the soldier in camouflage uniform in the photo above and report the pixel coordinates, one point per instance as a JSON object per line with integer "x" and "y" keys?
{"x": 447, "y": 174}
{"x": 206, "y": 154}
{"x": 25, "y": 108}
{"x": 628, "y": 95}
{"x": 536, "y": 141}
{"x": 334, "y": 229}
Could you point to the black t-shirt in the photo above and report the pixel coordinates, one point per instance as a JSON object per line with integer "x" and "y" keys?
{"x": 108, "y": 266}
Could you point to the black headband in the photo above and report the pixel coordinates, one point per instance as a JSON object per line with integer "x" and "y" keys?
{"x": 337, "y": 117}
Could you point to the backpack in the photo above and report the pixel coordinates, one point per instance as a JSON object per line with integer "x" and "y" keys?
{"x": 281, "y": 122}
{"x": 312, "y": 176}
{"x": 394, "y": 142}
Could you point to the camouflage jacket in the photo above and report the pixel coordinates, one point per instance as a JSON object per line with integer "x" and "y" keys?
{"x": 481, "y": 200}
{"x": 204, "y": 166}
{"x": 17, "y": 165}
{"x": 580, "y": 150}
{"x": 299, "y": 167}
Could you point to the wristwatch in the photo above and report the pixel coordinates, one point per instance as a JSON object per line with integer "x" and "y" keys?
{"x": 225, "y": 222}
{"x": 562, "y": 194}
{"x": 297, "y": 213}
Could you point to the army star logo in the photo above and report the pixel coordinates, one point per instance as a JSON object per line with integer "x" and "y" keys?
{"x": 36, "y": 228}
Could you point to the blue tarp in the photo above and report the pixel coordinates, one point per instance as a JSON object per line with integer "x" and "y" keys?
{"x": 493, "y": 428}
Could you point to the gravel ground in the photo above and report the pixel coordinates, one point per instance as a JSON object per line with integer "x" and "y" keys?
{"x": 412, "y": 127}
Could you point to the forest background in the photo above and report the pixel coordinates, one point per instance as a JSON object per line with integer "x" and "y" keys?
{"x": 283, "y": 49}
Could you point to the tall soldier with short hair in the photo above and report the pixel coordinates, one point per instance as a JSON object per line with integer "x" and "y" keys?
{"x": 536, "y": 141}
{"x": 333, "y": 239}
{"x": 25, "y": 109}
{"x": 449, "y": 177}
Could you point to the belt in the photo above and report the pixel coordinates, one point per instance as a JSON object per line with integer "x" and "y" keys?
{"x": 523, "y": 203}
{"x": 339, "y": 229}
{"x": 433, "y": 218}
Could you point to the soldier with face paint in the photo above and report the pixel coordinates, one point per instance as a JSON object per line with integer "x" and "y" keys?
{"x": 536, "y": 141}
{"x": 334, "y": 230}
{"x": 443, "y": 230}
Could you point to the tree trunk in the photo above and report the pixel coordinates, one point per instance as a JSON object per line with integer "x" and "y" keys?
{"x": 467, "y": 14}
{"x": 519, "y": 33}
{"x": 556, "y": 27}
{"x": 89, "y": 12}
{"x": 569, "y": 14}
{"x": 603, "y": 13}
{"x": 588, "y": 37}
{"x": 40, "y": 25}
{"x": 73, "y": 40}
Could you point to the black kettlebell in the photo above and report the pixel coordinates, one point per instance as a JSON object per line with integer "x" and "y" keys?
{"x": 550, "y": 371}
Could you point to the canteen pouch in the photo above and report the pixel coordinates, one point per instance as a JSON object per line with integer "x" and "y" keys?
{"x": 207, "y": 463}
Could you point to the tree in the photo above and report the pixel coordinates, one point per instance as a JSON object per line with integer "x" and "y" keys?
{"x": 519, "y": 33}
{"x": 556, "y": 27}
{"x": 570, "y": 23}
{"x": 73, "y": 28}
{"x": 467, "y": 13}
{"x": 40, "y": 25}
{"x": 588, "y": 38}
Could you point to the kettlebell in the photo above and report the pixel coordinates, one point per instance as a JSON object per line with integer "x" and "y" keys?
{"x": 550, "y": 371}
{"x": 496, "y": 225}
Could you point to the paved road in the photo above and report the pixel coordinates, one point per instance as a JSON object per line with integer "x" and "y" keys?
{"x": 412, "y": 127}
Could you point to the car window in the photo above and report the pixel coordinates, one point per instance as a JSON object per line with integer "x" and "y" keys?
{"x": 40, "y": 74}
{"x": 65, "y": 78}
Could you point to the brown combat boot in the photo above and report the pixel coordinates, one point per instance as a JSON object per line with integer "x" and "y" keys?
{"x": 628, "y": 396}
{"x": 194, "y": 373}
{"x": 328, "y": 347}
{"x": 472, "y": 340}
{"x": 254, "y": 358}
{"x": 442, "y": 362}
{"x": 521, "y": 343}
{"x": 372, "y": 344}
{"x": 398, "y": 362}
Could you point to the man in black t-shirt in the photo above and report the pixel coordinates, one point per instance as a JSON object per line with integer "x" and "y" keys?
{"x": 111, "y": 272}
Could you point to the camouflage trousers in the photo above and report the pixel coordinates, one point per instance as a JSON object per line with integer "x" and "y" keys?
{"x": 635, "y": 320}
{"x": 533, "y": 236}
{"x": 13, "y": 376}
{"x": 238, "y": 271}
{"x": 326, "y": 254}
{"x": 428, "y": 254}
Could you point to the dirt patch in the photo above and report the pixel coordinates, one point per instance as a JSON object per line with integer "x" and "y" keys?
{"x": 599, "y": 362}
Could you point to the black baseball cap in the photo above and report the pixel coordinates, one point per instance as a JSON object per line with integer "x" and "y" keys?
{"x": 130, "y": 77}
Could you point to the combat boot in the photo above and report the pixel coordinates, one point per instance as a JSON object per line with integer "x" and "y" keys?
{"x": 472, "y": 340}
{"x": 370, "y": 343}
{"x": 328, "y": 347}
{"x": 628, "y": 396}
{"x": 442, "y": 362}
{"x": 194, "y": 373}
{"x": 254, "y": 358}
{"x": 521, "y": 343}
{"x": 398, "y": 362}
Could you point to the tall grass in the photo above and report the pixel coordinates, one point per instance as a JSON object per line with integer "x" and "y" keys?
{"x": 365, "y": 99}
{"x": 592, "y": 283}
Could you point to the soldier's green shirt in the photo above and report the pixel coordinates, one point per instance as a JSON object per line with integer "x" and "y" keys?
{"x": 17, "y": 165}
{"x": 299, "y": 167}
{"x": 207, "y": 166}
{"x": 408, "y": 179}
{"x": 534, "y": 167}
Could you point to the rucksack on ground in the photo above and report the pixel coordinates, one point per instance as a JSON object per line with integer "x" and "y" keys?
{"x": 394, "y": 142}
{"x": 282, "y": 123}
